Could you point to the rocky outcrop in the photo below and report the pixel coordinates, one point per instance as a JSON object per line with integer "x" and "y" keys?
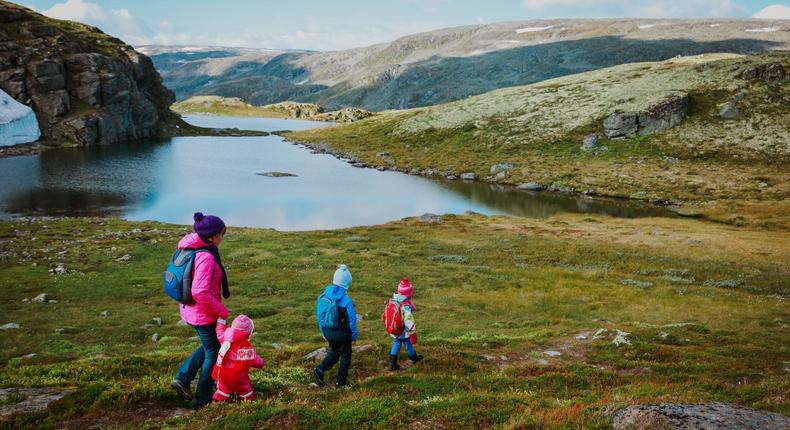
{"x": 343, "y": 115}
{"x": 18, "y": 123}
{"x": 84, "y": 86}
{"x": 772, "y": 73}
{"x": 295, "y": 110}
{"x": 664, "y": 115}
{"x": 718, "y": 416}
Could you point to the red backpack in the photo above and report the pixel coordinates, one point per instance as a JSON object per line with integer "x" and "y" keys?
{"x": 393, "y": 318}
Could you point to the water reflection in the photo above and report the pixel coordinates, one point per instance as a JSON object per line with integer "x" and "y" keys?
{"x": 168, "y": 180}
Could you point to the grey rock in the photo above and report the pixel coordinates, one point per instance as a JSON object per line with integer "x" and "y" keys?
{"x": 451, "y": 177}
{"x": 670, "y": 160}
{"x": 61, "y": 330}
{"x": 590, "y": 142}
{"x": 620, "y": 125}
{"x": 27, "y": 356}
{"x": 469, "y": 176}
{"x": 35, "y": 400}
{"x": 430, "y": 218}
{"x": 41, "y": 298}
{"x": 500, "y": 167}
{"x": 772, "y": 73}
{"x": 663, "y": 335}
{"x": 182, "y": 323}
{"x": 501, "y": 175}
{"x": 635, "y": 283}
{"x": 362, "y": 348}
{"x": 276, "y": 174}
{"x": 729, "y": 110}
{"x": 621, "y": 338}
{"x": 157, "y": 320}
{"x": 589, "y": 192}
{"x": 124, "y": 258}
{"x": 701, "y": 416}
{"x": 9, "y": 326}
{"x": 662, "y": 116}
{"x": 316, "y": 355}
{"x": 278, "y": 346}
{"x": 106, "y": 313}
{"x": 552, "y": 353}
{"x": 155, "y": 337}
{"x": 382, "y": 154}
{"x": 457, "y": 259}
{"x": 531, "y": 186}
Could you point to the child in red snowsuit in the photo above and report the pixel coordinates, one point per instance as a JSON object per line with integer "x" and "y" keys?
{"x": 236, "y": 357}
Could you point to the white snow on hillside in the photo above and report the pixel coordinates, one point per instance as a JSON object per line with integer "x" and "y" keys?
{"x": 534, "y": 29}
{"x": 18, "y": 123}
{"x": 762, "y": 30}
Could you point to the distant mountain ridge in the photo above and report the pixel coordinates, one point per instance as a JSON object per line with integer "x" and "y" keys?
{"x": 454, "y": 63}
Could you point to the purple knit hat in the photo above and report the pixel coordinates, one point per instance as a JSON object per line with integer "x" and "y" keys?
{"x": 207, "y": 225}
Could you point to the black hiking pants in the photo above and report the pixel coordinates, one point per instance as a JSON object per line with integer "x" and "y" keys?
{"x": 340, "y": 350}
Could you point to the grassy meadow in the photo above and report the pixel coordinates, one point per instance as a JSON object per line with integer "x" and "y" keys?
{"x": 705, "y": 306}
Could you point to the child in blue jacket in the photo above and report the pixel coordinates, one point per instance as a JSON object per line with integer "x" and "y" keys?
{"x": 341, "y": 339}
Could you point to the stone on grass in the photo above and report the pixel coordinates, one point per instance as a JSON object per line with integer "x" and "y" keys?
{"x": 124, "y": 258}
{"x": 621, "y": 338}
{"x": 663, "y": 335}
{"x": 552, "y": 353}
{"x": 278, "y": 346}
{"x": 729, "y": 110}
{"x": 316, "y": 355}
{"x": 155, "y": 337}
{"x": 362, "y": 348}
{"x": 635, "y": 283}
{"x": 531, "y": 186}
{"x": 41, "y": 298}
{"x": 9, "y": 326}
{"x": 34, "y": 400}
{"x": 157, "y": 320}
{"x": 501, "y": 167}
{"x": 678, "y": 416}
{"x": 182, "y": 323}
{"x": 457, "y": 259}
{"x": 106, "y": 313}
{"x": 590, "y": 142}
{"x": 429, "y": 217}
{"x": 469, "y": 176}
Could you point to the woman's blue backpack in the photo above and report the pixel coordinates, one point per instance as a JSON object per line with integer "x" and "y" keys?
{"x": 178, "y": 276}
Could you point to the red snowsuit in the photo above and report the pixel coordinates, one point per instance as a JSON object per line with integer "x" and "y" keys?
{"x": 236, "y": 357}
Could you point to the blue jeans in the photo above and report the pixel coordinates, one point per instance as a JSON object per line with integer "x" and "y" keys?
{"x": 396, "y": 343}
{"x": 202, "y": 360}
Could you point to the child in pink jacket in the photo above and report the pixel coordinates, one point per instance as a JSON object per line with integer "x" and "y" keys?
{"x": 236, "y": 357}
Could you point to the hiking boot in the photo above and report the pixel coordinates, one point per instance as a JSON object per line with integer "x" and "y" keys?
{"x": 415, "y": 358}
{"x": 393, "y": 365}
{"x": 181, "y": 389}
{"x": 317, "y": 377}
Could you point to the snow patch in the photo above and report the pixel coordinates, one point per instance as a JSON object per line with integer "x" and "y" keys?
{"x": 534, "y": 29}
{"x": 18, "y": 123}
{"x": 762, "y": 30}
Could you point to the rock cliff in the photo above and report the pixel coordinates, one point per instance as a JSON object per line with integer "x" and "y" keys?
{"x": 84, "y": 86}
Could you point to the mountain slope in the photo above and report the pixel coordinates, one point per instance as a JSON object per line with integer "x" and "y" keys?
{"x": 450, "y": 64}
{"x": 84, "y": 86}
{"x": 705, "y": 129}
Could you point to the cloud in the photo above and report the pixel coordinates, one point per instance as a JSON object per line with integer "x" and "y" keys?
{"x": 117, "y": 22}
{"x": 636, "y": 8}
{"x": 776, "y": 11}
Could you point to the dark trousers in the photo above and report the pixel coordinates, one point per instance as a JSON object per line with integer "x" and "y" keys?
{"x": 202, "y": 361}
{"x": 338, "y": 351}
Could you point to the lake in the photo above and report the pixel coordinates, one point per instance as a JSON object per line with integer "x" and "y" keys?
{"x": 169, "y": 179}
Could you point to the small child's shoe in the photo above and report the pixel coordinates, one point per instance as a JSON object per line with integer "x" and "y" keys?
{"x": 415, "y": 358}
{"x": 317, "y": 377}
{"x": 393, "y": 364}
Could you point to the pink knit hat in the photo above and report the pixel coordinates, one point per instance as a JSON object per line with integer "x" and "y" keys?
{"x": 243, "y": 323}
{"x": 405, "y": 288}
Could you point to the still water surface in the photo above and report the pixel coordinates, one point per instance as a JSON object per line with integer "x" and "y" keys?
{"x": 167, "y": 180}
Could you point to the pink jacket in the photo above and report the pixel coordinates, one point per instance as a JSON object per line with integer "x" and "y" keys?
{"x": 206, "y": 286}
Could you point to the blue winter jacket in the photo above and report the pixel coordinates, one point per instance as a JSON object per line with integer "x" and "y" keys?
{"x": 338, "y": 294}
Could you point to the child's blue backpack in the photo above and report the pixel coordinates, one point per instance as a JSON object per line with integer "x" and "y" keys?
{"x": 327, "y": 314}
{"x": 178, "y": 276}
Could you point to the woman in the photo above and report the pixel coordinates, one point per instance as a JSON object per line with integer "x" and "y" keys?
{"x": 209, "y": 285}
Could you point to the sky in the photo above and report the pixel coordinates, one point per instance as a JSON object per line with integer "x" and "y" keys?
{"x": 342, "y": 24}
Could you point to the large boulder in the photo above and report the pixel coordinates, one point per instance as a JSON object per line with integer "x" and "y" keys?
{"x": 772, "y": 73}
{"x": 666, "y": 114}
{"x": 676, "y": 416}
